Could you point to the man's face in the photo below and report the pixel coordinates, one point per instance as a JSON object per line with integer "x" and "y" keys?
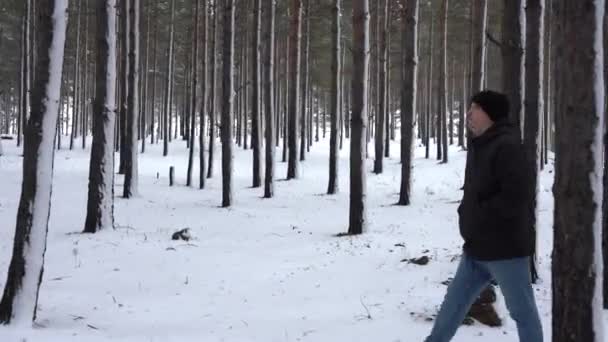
{"x": 477, "y": 120}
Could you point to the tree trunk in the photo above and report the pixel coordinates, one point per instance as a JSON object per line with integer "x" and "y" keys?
{"x": 533, "y": 108}
{"x": 193, "y": 96}
{"x": 169, "y": 84}
{"x": 381, "y": 110}
{"x": 85, "y": 83}
{"x": 286, "y": 100}
{"x": 25, "y": 72}
{"x": 131, "y": 171}
{"x": 358, "y": 187}
{"x": 124, "y": 16}
{"x": 305, "y": 77}
{"x": 155, "y": 66}
{"x": 269, "y": 11}
{"x": 443, "y": 82}
{"x": 203, "y": 100}
{"x": 100, "y": 205}
{"x": 336, "y": 70}
{"x": 20, "y": 297}
{"x": 75, "y": 92}
{"x": 144, "y": 98}
{"x": 227, "y": 103}
{"x": 408, "y": 96}
{"x": 513, "y": 56}
{"x": 389, "y": 122}
{"x": 577, "y": 253}
{"x": 256, "y": 106}
{"x": 213, "y": 97}
{"x": 294, "y": 86}
{"x": 429, "y": 109}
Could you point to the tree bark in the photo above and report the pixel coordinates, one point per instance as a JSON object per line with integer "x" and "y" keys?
{"x": 25, "y": 72}
{"x": 358, "y": 187}
{"x": 131, "y": 169}
{"x": 213, "y": 96}
{"x": 408, "y": 96}
{"x": 227, "y": 103}
{"x": 100, "y": 205}
{"x": 513, "y": 57}
{"x": 203, "y": 100}
{"x": 304, "y": 79}
{"x": 20, "y": 296}
{"x": 194, "y": 96}
{"x": 336, "y": 69}
{"x": 256, "y": 106}
{"x": 381, "y": 111}
{"x": 533, "y": 108}
{"x": 269, "y": 7}
{"x": 169, "y": 85}
{"x": 294, "y": 86}
{"x": 577, "y": 253}
{"x": 443, "y": 76}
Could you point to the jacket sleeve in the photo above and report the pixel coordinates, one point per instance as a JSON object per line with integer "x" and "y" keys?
{"x": 510, "y": 169}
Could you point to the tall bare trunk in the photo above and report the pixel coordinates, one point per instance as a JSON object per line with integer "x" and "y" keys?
{"x": 336, "y": 69}
{"x": 269, "y": 9}
{"x": 294, "y": 86}
{"x": 358, "y": 187}
{"x": 227, "y": 103}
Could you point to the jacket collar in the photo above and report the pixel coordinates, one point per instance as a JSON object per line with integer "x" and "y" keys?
{"x": 498, "y": 128}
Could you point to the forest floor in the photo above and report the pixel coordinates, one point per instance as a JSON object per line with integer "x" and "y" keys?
{"x": 263, "y": 270}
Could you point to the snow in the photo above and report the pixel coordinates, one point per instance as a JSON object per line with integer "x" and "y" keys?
{"x": 25, "y": 301}
{"x": 596, "y": 175}
{"x": 263, "y": 270}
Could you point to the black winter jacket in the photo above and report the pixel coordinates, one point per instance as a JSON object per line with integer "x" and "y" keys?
{"x": 491, "y": 213}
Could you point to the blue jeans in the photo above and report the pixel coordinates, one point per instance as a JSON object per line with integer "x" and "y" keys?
{"x": 472, "y": 276}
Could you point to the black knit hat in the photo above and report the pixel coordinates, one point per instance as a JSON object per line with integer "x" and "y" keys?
{"x": 495, "y": 104}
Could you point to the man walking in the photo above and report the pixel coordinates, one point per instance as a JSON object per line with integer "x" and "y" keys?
{"x": 497, "y": 244}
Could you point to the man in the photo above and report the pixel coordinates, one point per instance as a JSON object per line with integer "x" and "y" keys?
{"x": 497, "y": 244}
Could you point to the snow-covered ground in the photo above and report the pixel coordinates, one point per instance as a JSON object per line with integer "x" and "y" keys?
{"x": 263, "y": 270}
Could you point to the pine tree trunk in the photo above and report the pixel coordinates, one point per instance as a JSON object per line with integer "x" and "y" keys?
{"x": 131, "y": 170}
{"x": 577, "y": 254}
{"x": 213, "y": 97}
{"x": 381, "y": 110}
{"x": 124, "y": 16}
{"x": 256, "y": 105}
{"x": 443, "y": 82}
{"x": 144, "y": 98}
{"x": 286, "y": 100}
{"x": 389, "y": 122}
{"x": 155, "y": 66}
{"x": 605, "y": 175}
{"x": 85, "y": 83}
{"x": 75, "y": 92}
{"x": 25, "y": 72}
{"x": 203, "y": 100}
{"x": 269, "y": 11}
{"x": 548, "y": 82}
{"x": 533, "y": 107}
{"x": 193, "y": 95}
{"x": 480, "y": 10}
{"x": 336, "y": 70}
{"x": 169, "y": 85}
{"x": 513, "y": 56}
{"x": 20, "y": 296}
{"x": 294, "y": 86}
{"x": 358, "y": 187}
{"x": 408, "y": 96}
{"x": 305, "y": 77}
{"x": 100, "y": 205}
{"x": 429, "y": 109}
{"x": 227, "y": 103}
